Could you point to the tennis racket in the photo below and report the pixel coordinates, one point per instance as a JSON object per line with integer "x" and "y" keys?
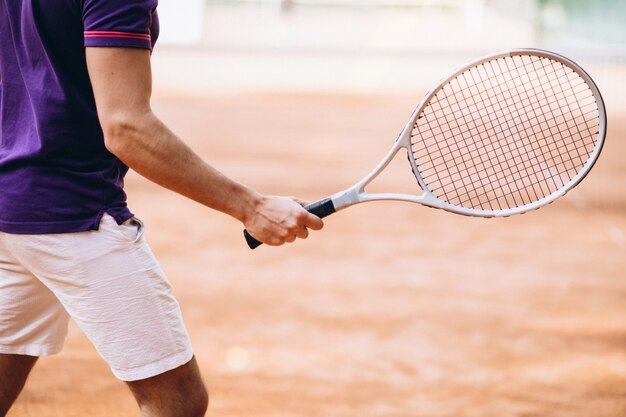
{"x": 505, "y": 134}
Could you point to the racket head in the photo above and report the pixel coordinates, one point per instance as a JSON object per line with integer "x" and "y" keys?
{"x": 507, "y": 133}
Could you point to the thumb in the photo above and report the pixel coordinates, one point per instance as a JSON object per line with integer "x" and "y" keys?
{"x": 300, "y": 201}
{"x": 313, "y": 222}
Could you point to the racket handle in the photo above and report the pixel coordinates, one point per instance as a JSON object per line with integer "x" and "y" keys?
{"x": 320, "y": 208}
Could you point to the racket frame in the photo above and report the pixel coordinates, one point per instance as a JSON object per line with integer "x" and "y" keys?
{"x": 357, "y": 194}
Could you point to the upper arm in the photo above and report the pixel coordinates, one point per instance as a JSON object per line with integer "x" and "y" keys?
{"x": 122, "y": 84}
{"x": 119, "y": 36}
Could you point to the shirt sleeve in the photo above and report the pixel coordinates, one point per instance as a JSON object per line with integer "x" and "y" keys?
{"x": 120, "y": 23}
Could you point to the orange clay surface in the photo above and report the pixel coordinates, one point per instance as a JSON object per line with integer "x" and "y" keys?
{"x": 393, "y": 309}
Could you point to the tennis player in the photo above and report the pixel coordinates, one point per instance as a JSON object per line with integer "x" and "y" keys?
{"x": 74, "y": 115}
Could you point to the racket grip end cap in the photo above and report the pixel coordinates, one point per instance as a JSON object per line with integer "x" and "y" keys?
{"x": 252, "y": 242}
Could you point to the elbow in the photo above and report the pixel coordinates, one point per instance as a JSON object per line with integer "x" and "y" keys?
{"x": 120, "y": 133}
{"x": 113, "y": 145}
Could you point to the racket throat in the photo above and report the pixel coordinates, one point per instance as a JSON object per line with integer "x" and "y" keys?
{"x": 345, "y": 198}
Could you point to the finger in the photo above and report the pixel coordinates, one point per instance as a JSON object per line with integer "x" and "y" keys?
{"x": 300, "y": 201}
{"x": 313, "y": 222}
{"x": 303, "y": 233}
{"x": 279, "y": 242}
{"x": 274, "y": 242}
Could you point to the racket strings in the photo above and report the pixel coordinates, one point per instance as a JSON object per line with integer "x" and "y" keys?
{"x": 525, "y": 156}
{"x": 481, "y": 152}
{"x": 502, "y": 175}
{"x": 523, "y": 160}
{"x": 506, "y": 133}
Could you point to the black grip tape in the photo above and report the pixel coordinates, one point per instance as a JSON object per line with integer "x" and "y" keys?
{"x": 320, "y": 208}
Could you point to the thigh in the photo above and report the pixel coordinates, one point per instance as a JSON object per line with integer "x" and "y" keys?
{"x": 32, "y": 320}
{"x": 110, "y": 283}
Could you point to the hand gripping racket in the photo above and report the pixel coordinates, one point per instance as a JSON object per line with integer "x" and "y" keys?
{"x": 506, "y": 134}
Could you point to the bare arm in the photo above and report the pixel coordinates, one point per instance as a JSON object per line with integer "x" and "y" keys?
{"x": 122, "y": 84}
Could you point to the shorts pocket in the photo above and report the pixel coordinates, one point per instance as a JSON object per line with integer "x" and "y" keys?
{"x": 130, "y": 231}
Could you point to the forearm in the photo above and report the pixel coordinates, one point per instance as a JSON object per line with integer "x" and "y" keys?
{"x": 122, "y": 86}
{"x": 147, "y": 146}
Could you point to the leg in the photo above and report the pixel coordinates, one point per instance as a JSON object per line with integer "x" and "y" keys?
{"x": 176, "y": 393}
{"x": 14, "y": 370}
{"x": 110, "y": 283}
{"x": 32, "y": 324}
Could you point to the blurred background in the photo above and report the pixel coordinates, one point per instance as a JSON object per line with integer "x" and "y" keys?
{"x": 370, "y": 45}
{"x": 393, "y": 310}
{"x": 381, "y": 48}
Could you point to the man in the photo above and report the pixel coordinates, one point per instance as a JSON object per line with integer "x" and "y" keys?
{"x": 74, "y": 114}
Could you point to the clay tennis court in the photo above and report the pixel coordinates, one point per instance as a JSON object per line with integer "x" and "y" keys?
{"x": 393, "y": 309}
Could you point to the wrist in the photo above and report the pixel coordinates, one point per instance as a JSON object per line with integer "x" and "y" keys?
{"x": 249, "y": 205}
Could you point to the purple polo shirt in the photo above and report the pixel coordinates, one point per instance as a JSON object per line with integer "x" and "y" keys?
{"x": 56, "y": 176}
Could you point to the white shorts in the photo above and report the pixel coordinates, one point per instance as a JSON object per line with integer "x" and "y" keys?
{"x": 108, "y": 281}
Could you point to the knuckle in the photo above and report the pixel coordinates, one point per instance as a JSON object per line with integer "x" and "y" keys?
{"x": 277, "y": 242}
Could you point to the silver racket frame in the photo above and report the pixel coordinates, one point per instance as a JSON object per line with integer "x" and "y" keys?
{"x": 357, "y": 194}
